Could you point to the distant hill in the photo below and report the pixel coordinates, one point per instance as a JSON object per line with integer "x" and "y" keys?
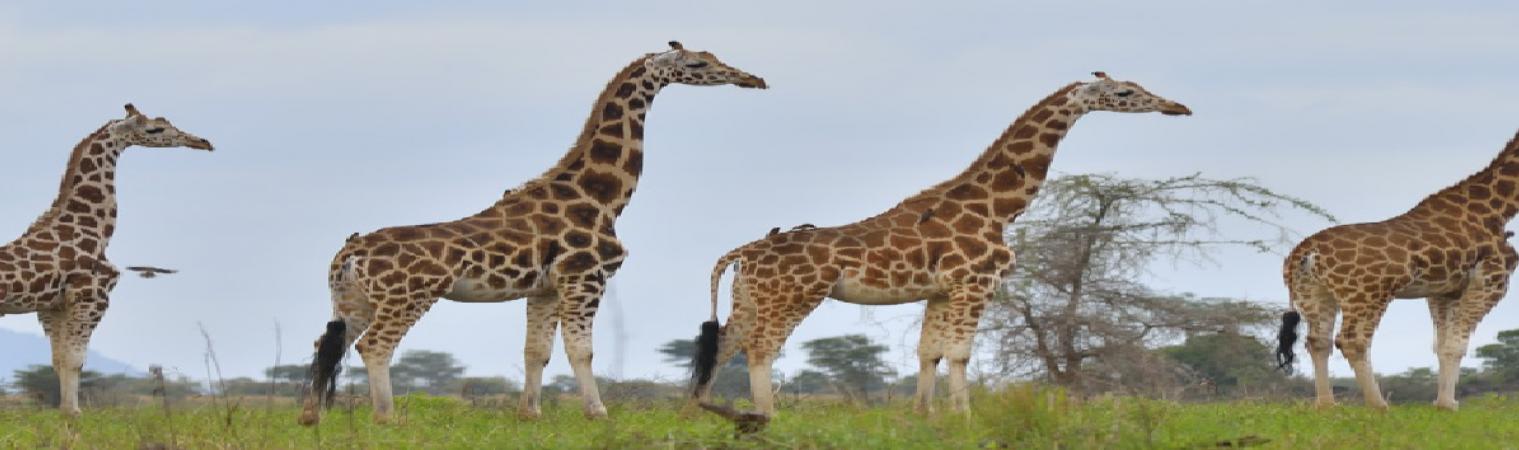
{"x": 19, "y": 350}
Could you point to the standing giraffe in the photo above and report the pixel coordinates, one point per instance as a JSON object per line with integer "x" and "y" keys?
{"x": 943, "y": 244}
{"x": 551, "y": 240}
{"x": 1450, "y": 248}
{"x": 58, "y": 268}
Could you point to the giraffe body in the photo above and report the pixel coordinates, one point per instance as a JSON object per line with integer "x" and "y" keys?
{"x": 1451, "y": 249}
{"x": 58, "y": 267}
{"x": 552, "y": 241}
{"x": 943, "y": 245}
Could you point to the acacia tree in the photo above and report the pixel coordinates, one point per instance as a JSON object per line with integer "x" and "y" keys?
{"x": 852, "y": 362}
{"x": 1501, "y": 360}
{"x": 1077, "y": 299}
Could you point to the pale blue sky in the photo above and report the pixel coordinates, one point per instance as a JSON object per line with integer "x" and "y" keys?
{"x": 336, "y": 117}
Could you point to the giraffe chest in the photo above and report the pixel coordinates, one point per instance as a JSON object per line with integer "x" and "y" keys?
{"x": 29, "y": 280}
{"x": 27, "y": 293}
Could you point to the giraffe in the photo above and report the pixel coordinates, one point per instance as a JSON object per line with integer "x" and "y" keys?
{"x": 943, "y": 245}
{"x": 551, "y": 240}
{"x": 58, "y": 268}
{"x": 1450, "y": 248}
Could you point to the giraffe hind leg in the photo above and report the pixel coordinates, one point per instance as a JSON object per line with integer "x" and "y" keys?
{"x": 351, "y": 315}
{"x": 1318, "y": 309}
{"x": 542, "y": 322}
{"x": 727, "y": 343}
{"x": 1363, "y": 311}
{"x": 378, "y": 343}
{"x": 763, "y": 342}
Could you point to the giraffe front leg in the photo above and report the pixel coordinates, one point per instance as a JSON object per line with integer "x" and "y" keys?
{"x": 1488, "y": 285}
{"x": 930, "y": 351}
{"x": 542, "y": 321}
{"x": 68, "y": 328}
{"x": 1361, "y": 317}
{"x": 959, "y": 333}
{"x": 579, "y": 297}
{"x": 1441, "y": 309}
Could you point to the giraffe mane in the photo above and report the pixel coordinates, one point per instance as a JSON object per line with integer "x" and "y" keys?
{"x": 941, "y": 187}
{"x": 586, "y": 132}
{"x": 67, "y": 183}
{"x": 1511, "y": 149}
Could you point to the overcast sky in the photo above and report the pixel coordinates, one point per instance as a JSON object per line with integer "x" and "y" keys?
{"x": 337, "y": 117}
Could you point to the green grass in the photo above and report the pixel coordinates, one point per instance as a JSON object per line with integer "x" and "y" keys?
{"x": 1014, "y": 418}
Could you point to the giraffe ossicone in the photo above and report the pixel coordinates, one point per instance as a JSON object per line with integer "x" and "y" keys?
{"x": 1451, "y": 248}
{"x": 943, "y": 245}
{"x": 58, "y": 268}
{"x": 551, "y": 240}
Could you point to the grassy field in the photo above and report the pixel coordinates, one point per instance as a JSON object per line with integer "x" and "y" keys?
{"x": 1015, "y": 418}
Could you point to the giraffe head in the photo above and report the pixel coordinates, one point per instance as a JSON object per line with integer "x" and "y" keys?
{"x": 138, "y": 129}
{"x": 679, "y": 65}
{"x": 1107, "y": 94}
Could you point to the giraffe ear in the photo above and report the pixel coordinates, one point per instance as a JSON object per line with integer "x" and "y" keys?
{"x": 132, "y": 110}
{"x": 1100, "y": 75}
{"x": 675, "y": 45}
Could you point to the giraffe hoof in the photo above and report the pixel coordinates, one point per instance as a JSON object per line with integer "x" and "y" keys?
{"x": 1447, "y": 406}
{"x": 309, "y": 418}
{"x": 691, "y": 410}
{"x": 529, "y": 414}
{"x": 596, "y": 412}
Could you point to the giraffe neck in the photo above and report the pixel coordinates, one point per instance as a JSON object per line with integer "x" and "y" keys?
{"x": 607, "y": 158}
{"x": 1006, "y": 176}
{"x": 84, "y": 212}
{"x": 1490, "y": 196}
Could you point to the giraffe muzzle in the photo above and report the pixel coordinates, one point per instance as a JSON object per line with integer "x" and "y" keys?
{"x": 1176, "y": 109}
{"x": 201, "y": 144}
{"x": 752, "y": 82}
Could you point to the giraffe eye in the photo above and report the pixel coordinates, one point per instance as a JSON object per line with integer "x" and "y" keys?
{"x": 697, "y": 65}
{"x": 1125, "y": 93}
{"x": 154, "y": 130}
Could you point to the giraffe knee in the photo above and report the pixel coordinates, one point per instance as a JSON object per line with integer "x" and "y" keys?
{"x": 537, "y": 357}
{"x": 1317, "y": 344}
{"x": 1453, "y": 347}
{"x": 1352, "y": 348}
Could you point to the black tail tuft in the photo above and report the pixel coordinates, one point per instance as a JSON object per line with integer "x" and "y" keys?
{"x": 705, "y": 360}
{"x": 326, "y": 364}
{"x": 1285, "y": 340}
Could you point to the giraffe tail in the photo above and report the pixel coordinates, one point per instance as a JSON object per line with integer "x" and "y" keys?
{"x": 1286, "y": 338}
{"x": 704, "y": 361}
{"x": 1297, "y": 266}
{"x": 325, "y": 366}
